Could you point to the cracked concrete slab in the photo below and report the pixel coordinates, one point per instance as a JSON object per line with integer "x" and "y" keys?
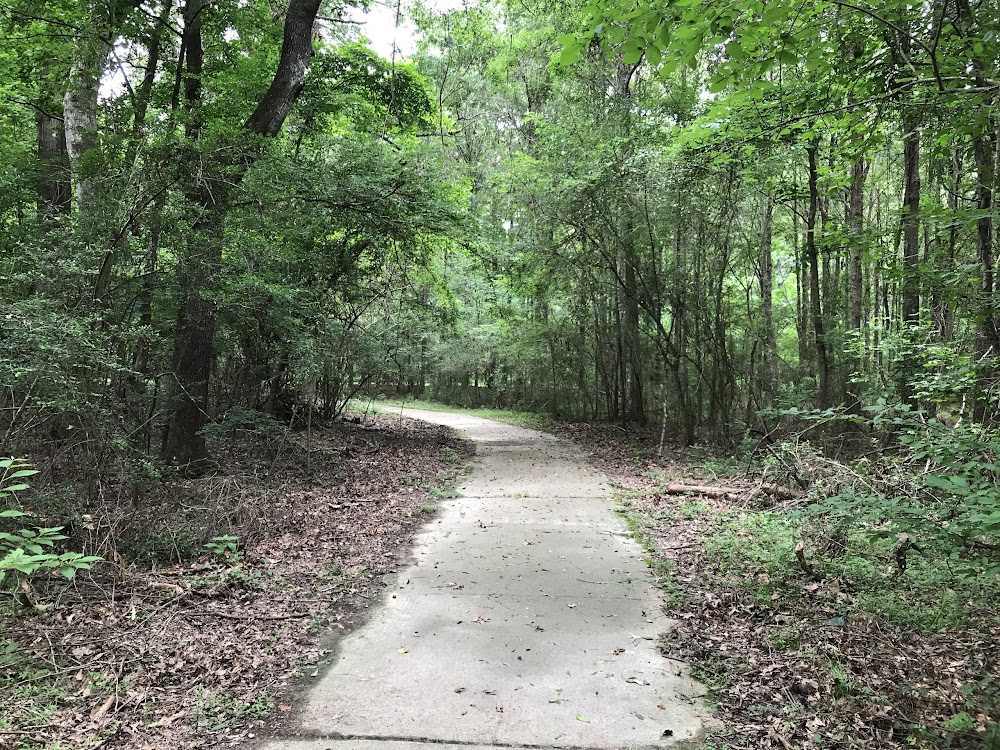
{"x": 526, "y": 618}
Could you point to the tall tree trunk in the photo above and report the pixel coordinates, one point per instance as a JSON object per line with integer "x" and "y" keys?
{"x": 987, "y": 337}
{"x": 633, "y": 344}
{"x": 855, "y": 226}
{"x": 80, "y": 115}
{"x": 194, "y": 349}
{"x": 812, "y": 255}
{"x": 911, "y": 240}
{"x": 984, "y": 145}
{"x": 766, "y": 279}
{"x": 855, "y": 280}
{"x": 52, "y": 186}
{"x": 911, "y": 221}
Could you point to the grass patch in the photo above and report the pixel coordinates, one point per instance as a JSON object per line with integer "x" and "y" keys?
{"x": 516, "y": 418}
{"x": 663, "y": 568}
{"x": 447, "y": 492}
{"x": 756, "y": 551}
{"x": 217, "y": 712}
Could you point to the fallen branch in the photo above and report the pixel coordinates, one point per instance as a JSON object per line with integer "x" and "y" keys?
{"x": 800, "y": 555}
{"x": 206, "y": 613}
{"x": 782, "y": 493}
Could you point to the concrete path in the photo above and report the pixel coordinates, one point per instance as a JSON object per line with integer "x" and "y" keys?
{"x": 526, "y": 618}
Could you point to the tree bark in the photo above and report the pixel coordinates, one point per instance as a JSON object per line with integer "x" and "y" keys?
{"x": 194, "y": 349}
{"x": 987, "y": 337}
{"x": 766, "y": 280}
{"x": 812, "y": 255}
{"x": 855, "y": 220}
{"x": 80, "y": 116}
{"x": 52, "y": 186}
{"x": 855, "y": 279}
{"x": 296, "y": 49}
{"x": 911, "y": 221}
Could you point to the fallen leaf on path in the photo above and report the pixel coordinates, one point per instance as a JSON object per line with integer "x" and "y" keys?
{"x": 584, "y": 719}
{"x": 404, "y": 650}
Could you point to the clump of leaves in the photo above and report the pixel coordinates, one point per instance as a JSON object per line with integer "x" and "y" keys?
{"x": 28, "y": 550}
{"x": 225, "y": 547}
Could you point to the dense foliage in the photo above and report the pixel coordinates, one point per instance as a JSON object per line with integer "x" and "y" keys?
{"x": 763, "y": 225}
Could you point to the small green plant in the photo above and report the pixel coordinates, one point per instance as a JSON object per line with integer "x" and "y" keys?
{"x": 443, "y": 493}
{"x": 26, "y": 551}
{"x": 428, "y": 508}
{"x": 218, "y": 711}
{"x": 226, "y": 547}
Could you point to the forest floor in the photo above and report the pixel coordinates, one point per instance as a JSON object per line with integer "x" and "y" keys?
{"x": 249, "y": 574}
{"x": 833, "y": 649}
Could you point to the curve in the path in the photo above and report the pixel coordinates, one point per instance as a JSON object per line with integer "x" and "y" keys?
{"x": 525, "y": 618}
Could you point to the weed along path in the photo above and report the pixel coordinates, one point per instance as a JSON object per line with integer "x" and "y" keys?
{"x": 525, "y": 617}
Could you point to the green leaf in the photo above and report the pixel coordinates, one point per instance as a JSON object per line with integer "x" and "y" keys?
{"x": 570, "y": 53}
{"x": 632, "y": 54}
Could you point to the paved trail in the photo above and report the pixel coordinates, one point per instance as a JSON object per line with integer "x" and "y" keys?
{"x": 525, "y": 618}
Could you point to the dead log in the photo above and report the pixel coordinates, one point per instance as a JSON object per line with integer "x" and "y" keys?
{"x": 781, "y": 493}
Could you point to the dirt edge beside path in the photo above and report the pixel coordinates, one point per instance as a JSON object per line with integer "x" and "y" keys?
{"x": 792, "y": 660}
{"x": 196, "y": 653}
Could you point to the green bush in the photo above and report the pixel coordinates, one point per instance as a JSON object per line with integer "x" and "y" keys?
{"x": 26, "y": 551}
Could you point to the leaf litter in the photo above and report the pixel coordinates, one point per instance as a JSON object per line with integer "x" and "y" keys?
{"x": 198, "y": 653}
{"x": 850, "y": 682}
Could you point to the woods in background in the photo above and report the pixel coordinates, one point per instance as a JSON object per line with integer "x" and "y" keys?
{"x": 720, "y": 210}
{"x": 722, "y": 218}
{"x": 198, "y": 202}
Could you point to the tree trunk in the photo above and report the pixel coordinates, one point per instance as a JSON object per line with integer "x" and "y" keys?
{"x": 987, "y": 338}
{"x": 911, "y": 242}
{"x": 80, "y": 117}
{"x": 766, "y": 280}
{"x": 633, "y": 345}
{"x": 855, "y": 280}
{"x": 911, "y": 221}
{"x": 812, "y": 255}
{"x": 52, "y": 186}
{"x": 194, "y": 349}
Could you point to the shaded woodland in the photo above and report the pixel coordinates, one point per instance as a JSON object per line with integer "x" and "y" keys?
{"x": 760, "y": 229}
